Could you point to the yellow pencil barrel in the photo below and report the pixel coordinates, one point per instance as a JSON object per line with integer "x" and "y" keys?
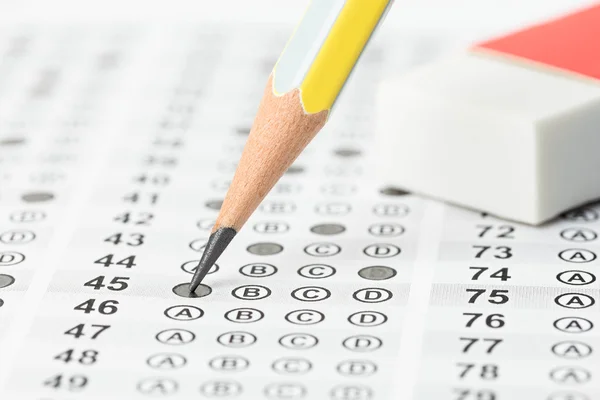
{"x": 324, "y": 49}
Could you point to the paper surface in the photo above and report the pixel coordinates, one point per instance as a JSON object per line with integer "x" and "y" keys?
{"x": 116, "y": 146}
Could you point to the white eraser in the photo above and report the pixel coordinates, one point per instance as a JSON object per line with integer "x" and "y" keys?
{"x": 510, "y": 127}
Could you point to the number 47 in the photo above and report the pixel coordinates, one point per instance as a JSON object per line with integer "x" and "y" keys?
{"x": 82, "y": 330}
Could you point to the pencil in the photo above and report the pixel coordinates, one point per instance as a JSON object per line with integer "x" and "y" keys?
{"x": 298, "y": 99}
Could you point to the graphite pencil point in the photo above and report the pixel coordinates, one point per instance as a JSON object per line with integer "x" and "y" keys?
{"x": 217, "y": 243}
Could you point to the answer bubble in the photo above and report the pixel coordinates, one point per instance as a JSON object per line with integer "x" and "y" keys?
{"x": 10, "y": 258}
{"x": 333, "y": 209}
{"x": 286, "y": 188}
{"x": 575, "y": 300}
{"x": 166, "y": 361}
{"x": 205, "y": 224}
{"x": 347, "y": 152}
{"x": 579, "y": 234}
{"x": 311, "y": 293}
{"x": 14, "y": 141}
{"x": 573, "y": 325}
{"x": 391, "y": 210}
{"x": 17, "y": 237}
{"x": 157, "y": 387}
{"x": 577, "y": 256}
{"x": 372, "y": 295}
{"x": 292, "y": 366}
{"x": 570, "y": 375}
{"x": 46, "y": 177}
{"x": 277, "y": 207}
{"x": 37, "y": 197}
{"x": 362, "y": 343}
{"x": 328, "y": 229}
{"x": 294, "y": 170}
{"x": 382, "y": 250}
{"x": 271, "y": 227}
{"x": 27, "y": 216}
{"x": 568, "y": 396}
{"x": 251, "y": 292}
{"x": 572, "y": 350}
{"x": 258, "y": 270}
{"x": 221, "y": 389}
{"x": 393, "y": 191}
{"x": 576, "y": 277}
{"x": 357, "y": 368}
{"x": 184, "y": 313}
{"x": 1, "y": 302}
{"x": 342, "y": 170}
{"x": 298, "y": 341}
{"x": 221, "y": 185}
{"x": 316, "y": 271}
{"x": 175, "y": 337}
{"x": 351, "y": 393}
{"x": 214, "y": 204}
{"x": 244, "y": 315}
{"x": 236, "y": 339}
{"x": 190, "y": 267}
{"x": 285, "y": 391}
{"x": 198, "y": 245}
{"x": 367, "y": 318}
{"x": 229, "y": 363}
{"x": 322, "y": 249}
{"x": 183, "y": 290}
{"x": 386, "y": 230}
{"x": 581, "y": 215}
{"x": 305, "y": 317}
{"x": 377, "y": 273}
{"x": 339, "y": 189}
{"x": 6, "y": 280}
{"x": 243, "y": 130}
{"x": 265, "y": 249}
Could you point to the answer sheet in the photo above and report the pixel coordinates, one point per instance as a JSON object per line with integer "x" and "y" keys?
{"x": 117, "y": 145}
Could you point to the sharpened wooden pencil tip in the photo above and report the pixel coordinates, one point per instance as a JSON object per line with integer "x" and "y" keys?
{"x": 281, "y": 130}
{"x": 217, "y": 243}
